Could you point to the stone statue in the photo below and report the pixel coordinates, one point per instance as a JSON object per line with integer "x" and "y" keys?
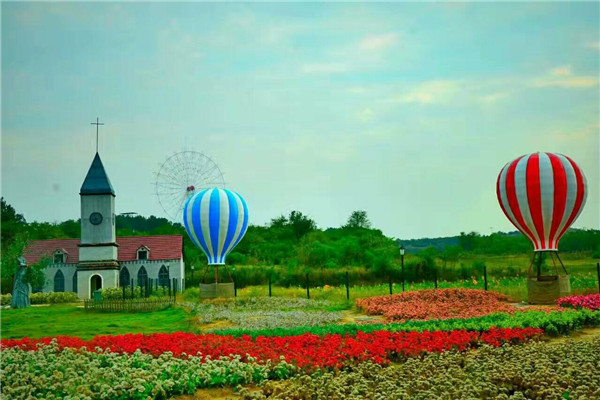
{"x": 20, "y": 293}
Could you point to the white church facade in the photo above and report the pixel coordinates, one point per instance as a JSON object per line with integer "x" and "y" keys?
{"x": 101, "y": 260}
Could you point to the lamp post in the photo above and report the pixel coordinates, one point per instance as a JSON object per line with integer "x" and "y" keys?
{"x": 192, "y": 274}
{"x": 402, "y": 264}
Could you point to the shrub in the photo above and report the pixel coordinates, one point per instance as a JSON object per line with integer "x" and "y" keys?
{"x": 5, "y": 299}
{"x": 53, "y": 297}
{"x": 117, "y": 293}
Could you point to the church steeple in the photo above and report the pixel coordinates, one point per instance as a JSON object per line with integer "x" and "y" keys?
{"x": 96, "y": 180}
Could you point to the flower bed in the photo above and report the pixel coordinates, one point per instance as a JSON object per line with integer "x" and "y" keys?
{"x": 436, "y": 304}
{"x": 552, "y": 322}
{"x": 591, "y": 302}
{"x": 53, "y": 373}
{"x": 535, "y": 370}
{"x": 267, "y": 312}
{"x": 305, "y": 351}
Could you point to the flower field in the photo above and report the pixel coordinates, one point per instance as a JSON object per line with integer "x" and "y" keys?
{"x": 305, "y": 351}
{"x": 436, "y": 304}
{"x": 535, "y": 370}
{"x": 426, "y": 353}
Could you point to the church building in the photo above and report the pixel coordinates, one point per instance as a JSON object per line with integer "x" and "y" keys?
{"x": 101, "y": 260}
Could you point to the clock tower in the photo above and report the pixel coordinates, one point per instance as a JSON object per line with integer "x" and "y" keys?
{"x": 98, "y": 250}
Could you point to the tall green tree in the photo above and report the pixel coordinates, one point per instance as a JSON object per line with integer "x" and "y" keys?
{"x": 358, "y": 219}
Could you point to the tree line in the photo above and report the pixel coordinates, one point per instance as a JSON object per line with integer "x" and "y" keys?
{"x": 294, "y": 241}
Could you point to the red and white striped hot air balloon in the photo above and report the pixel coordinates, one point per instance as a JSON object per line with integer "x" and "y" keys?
{"x": 542, "y": 194}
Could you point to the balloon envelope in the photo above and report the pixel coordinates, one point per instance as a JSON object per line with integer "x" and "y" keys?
{"x": 542, "y": 194}
{"x": 216, "y": 220}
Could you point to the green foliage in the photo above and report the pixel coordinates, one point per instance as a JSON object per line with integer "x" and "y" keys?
{"x": 5, "y": 299}
{"x": 358, "y": 220}
{"x": 53, "y": 297}
{"x": 138, "y": 292}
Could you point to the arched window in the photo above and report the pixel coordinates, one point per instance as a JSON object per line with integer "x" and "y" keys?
{"x": 124, "y": 277}
{"x": 163, "y": 276}
{"x": 142, "y": 276}
{"x": 75, "y": 282}
{"x": 59, "y": 281}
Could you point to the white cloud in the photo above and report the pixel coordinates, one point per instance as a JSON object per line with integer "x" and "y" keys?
{"x": 561, "y": 71}
{"x": 575, "y": 82}
{"x": 593, "y": 45}
{"x": 378, "y": 42}
{"x": 436, "y": 91}
{"x": 563, "y": 77}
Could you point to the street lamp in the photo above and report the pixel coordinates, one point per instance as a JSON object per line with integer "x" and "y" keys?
{"x": 402, "y": 264}
{"x": 192, "y": 274}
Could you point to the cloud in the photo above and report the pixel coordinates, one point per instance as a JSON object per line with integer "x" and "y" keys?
{"x": 561, "y": 71}
{"x": 324, "y": 68}
{"x": 436, "y": 91}
{"x": 378, "y": 42}
{"x": 564, "y": 78}
{"x": 593, "y": 45}
{"x": 366, "y": 115}
{"x": 575, "y": 82}
{"x": 493, "y": 97}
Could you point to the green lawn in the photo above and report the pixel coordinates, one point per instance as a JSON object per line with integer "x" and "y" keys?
{"x": 68, "y": 319}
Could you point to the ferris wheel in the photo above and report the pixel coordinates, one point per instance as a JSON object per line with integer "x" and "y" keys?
{"x": 180, "y": 176}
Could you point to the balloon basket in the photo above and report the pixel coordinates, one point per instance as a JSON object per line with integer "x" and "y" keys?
{"x": 546, "y": 289}
{"x": 215, "y": 290}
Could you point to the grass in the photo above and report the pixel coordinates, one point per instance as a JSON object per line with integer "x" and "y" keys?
{"x": 515, "y": 288}
{"x": 69, "y": 319}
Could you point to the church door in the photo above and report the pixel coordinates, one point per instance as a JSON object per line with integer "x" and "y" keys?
{"x": 95, "y": 284}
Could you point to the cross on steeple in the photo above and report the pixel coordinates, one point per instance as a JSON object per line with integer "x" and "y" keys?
{"x": 97, "y": 123}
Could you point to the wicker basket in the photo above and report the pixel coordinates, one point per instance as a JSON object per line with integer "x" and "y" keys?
{"x": 214, "y": 290}
{"x": 547, "y": 289}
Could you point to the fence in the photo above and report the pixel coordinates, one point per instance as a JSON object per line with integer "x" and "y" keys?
{"x": 390, "y": 281}
{"x": 128, "y": 305}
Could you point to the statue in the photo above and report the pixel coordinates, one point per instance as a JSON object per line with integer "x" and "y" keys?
{"x": 20, "y": 293}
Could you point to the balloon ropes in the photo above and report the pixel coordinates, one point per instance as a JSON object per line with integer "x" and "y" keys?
{"x": 216, "y": 220}
{"x": 542, "y": 194}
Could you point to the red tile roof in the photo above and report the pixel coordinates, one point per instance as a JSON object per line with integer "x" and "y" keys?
{"x": 162, "y": 247}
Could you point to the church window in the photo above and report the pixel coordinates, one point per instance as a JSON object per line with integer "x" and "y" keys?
{"x": 142, "y": 253}
{"x": 124, "y": 277}
{"x": 75, "y": 282}
{"x": 163, "y": 276}
{"x": 59, "y": 257}
{"x": 142, "y": 276}
{"x": 59, "y": 281}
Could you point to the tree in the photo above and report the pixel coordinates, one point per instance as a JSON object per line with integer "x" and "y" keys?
{"x": 301, "y": 224}
{"x": 12, "y": 224}
{"x": 10, "y": 264}
{"x": 358, "y": 219}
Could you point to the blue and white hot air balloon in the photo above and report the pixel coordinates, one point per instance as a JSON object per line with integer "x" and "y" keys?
{"x": 216, "y": 220}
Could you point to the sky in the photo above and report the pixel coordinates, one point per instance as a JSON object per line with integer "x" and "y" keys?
{"x": 405, "y": 110}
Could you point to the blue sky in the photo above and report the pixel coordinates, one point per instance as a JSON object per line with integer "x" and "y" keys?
{"x": 405, "y": 110}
